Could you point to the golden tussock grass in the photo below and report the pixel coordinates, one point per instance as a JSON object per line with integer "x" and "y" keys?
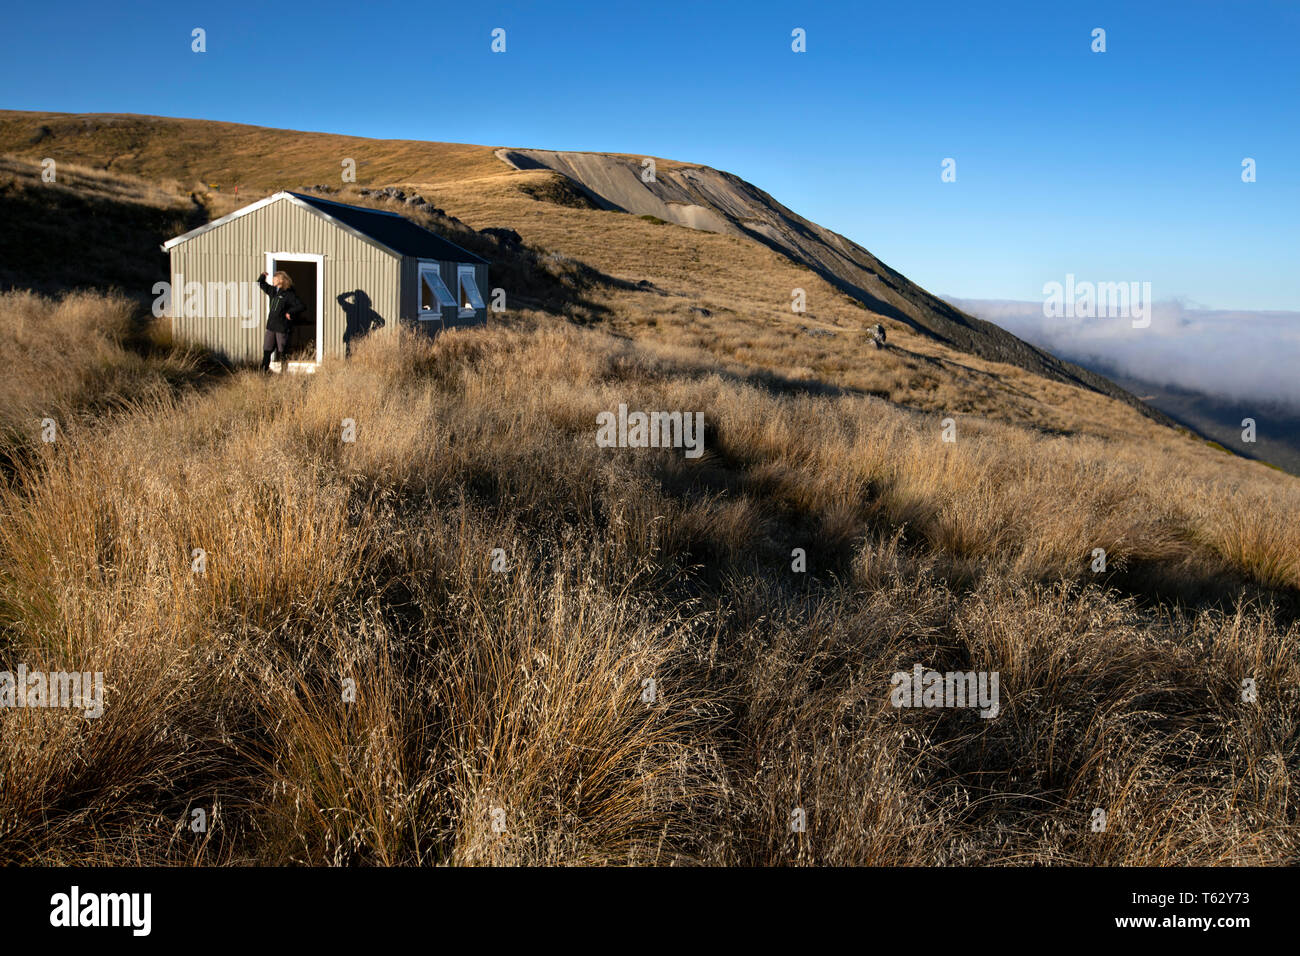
{"x": 347, "y": 680}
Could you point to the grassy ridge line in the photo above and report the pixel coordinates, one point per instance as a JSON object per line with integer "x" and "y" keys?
{"x": 225, "y": 155}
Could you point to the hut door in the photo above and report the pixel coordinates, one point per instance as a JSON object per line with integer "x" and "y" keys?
{"x": 305, "y": 270}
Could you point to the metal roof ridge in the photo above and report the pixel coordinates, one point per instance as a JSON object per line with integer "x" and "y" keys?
{"x": 346, "y": 205}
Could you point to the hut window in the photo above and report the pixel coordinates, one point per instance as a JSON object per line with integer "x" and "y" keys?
{"x": 470, "y": 299}
{"x": 433, "y": 293}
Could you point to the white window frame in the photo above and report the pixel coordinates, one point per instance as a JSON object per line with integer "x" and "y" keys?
{"x": 461, "y": 273}
{"x": 431, "y": 268}
{"x": 271, "y": 259}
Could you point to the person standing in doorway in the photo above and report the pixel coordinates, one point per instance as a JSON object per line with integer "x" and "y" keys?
{"x": 285, "y": 307}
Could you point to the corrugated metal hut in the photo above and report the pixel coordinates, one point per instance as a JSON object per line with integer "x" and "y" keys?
{"x": 358, "y": 271}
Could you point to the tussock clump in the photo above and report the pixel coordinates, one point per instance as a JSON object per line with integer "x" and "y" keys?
{"x": 75, "y": 357}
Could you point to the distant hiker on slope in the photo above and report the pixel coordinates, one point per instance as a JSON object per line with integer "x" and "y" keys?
{"x": 285, "y": 307}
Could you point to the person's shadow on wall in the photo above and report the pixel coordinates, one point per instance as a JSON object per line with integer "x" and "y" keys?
{"x": 362, "y": 319}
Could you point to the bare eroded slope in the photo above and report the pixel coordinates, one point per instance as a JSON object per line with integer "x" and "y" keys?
{"x": 705, "y": 198}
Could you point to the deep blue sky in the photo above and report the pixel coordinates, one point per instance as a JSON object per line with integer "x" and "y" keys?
{"x": 1117, "y": 166}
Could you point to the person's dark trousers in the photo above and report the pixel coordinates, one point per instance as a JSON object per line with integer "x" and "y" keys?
{"x": 275, "y": 342}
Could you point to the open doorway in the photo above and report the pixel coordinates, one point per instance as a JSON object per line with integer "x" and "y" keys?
{"x": 305, "y": 337}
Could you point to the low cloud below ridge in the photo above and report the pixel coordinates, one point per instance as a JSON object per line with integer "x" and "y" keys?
{"x": 1238, "y": 355}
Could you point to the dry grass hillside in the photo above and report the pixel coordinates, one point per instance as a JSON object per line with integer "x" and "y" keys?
{"x": 435, "y": 643}
{"x": 220, "y": 159}
{"x": 222, "y": 156}
{"x": 705, "y": 198}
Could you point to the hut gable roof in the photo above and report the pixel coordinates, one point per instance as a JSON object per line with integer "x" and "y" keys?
{"x": 388, "y": 230}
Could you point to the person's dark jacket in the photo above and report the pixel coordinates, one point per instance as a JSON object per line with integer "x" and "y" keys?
{"x": 285, "y": 306}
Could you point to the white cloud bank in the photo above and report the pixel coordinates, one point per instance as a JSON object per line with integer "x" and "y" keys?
{"x": 1245, "y": 356}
